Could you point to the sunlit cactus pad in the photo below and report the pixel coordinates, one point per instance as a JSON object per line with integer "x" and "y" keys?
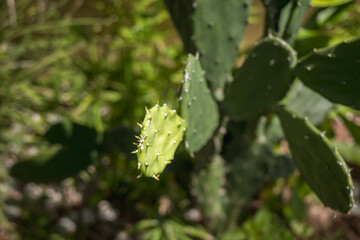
{"x": 262, "y": 80}
{"x": 334, "y": 73}
{"x": 320, "y": 164}
{"x": 161, "y": 133}
{"x": 197, "y": 106}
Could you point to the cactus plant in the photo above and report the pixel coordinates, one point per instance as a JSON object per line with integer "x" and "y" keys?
{"x": 161, "y": 133}
{"x": 197, "y": 106}
{"x": 259, "y": 109}
{"x": 256, "y": 167}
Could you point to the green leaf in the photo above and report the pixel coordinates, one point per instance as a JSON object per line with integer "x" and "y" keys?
{"x": 328, "y": 3}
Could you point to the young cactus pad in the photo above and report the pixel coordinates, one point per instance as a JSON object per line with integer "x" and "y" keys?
{"x": 161, "y": 132}
{"x": 321, "y": 166}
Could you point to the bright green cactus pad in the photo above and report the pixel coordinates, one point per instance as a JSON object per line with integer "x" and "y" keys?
{"x": 197, "y": 106}
{"x": 218, "y": 30}
{"x": 262, "y": 81}
{"x": 320, "y": 164}
{"x": 334, "y": 73}
{"x": 161, "y": 133}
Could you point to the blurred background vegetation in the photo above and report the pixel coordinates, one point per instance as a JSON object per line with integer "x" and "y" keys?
{"x": 74, "y": 79}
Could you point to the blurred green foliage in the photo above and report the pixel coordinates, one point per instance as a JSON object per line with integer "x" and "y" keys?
{"x": 75, "y": 77}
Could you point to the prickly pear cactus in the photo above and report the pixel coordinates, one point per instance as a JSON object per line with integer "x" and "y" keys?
{"x": 321, "y": 166}
{"x": 197, "y": 106}
{"x": 209, "y": 189}
{"x": 161, "y": 133}
{"x": 262, "y": 81}
{"x": 334, "y": 73}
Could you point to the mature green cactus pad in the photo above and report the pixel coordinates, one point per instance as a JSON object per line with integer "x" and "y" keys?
{"x": 197, "y": 106}
{"x": 161, "y": 133}
{"x": 218, "y": 30}
{"x": 306, "y": 102}
{"x": 291, "y": 18}
{"x": 262, "y": 81}
{"x": 209, "y": 189}
{"x": 320, "y": 164}
{"x": 334, "y": 73}
{"x": 215, "y": 29}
